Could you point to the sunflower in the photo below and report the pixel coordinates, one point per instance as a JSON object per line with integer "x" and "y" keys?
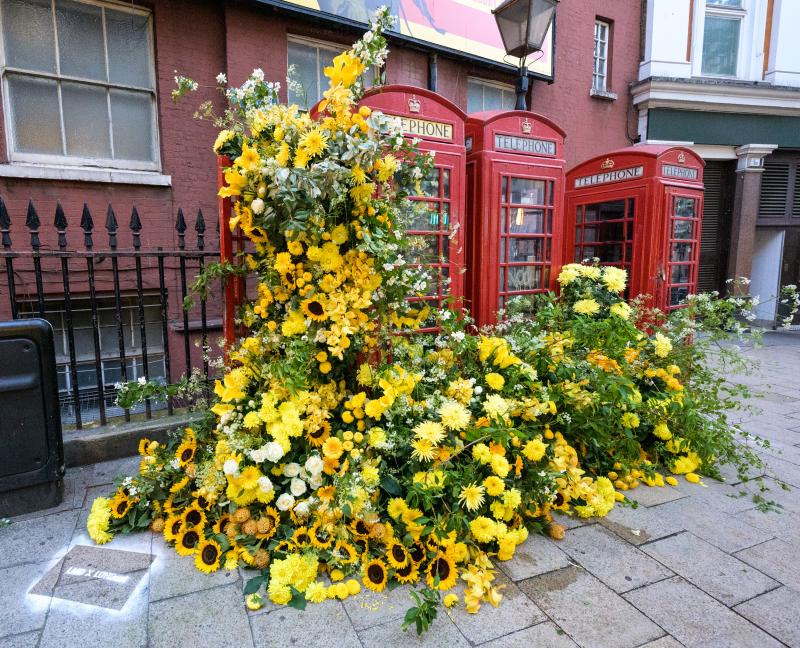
{"x": 301, "y": 536}
{"x": 186, "y": 451}
{"x": 203, "y": 502}
{"x": 313, "y": 308}
{"x": 318, "y": 436}
{"x": 361, "y": 545}
{"x": 359, "y": 528}
{"x": 169, "y": 506}
{"x": 222, "y": 524}
{"x": 375, "y": 575}
{"x": 442, "y": 568}
{"x": 120, "y": 505}
{"x": 320, "y": 538}
{"x": 417, "y": 552}
{"x": 193, "y": 516}
{"x": 347, "y": 553}
{"x": 267, "y": 525}
{"x": 407, "y": 574}
{"x": 172, "y": 527}
{"x": 207, "y": 557}
{"x": 397, "y": 555}
{"x": 179, "y": 485}
{"x": 186, "y": 542}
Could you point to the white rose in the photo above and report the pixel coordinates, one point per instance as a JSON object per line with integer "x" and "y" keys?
{"x": 285, "y": 502}
{"x": 314, "y": 464}
{"x": 298, "y": 487}
{"x": 265, "y": 484}
{"x": 291, "y": 469}
{"x": 230, "y": 467}
{"x": 302, "y": 509}
{"x": 315, "y": 481}
{"x": 274, "y": 451}
{"x": 259, "y": 455}
{"x": 478, "y": 389}
{"x": 257, "y": 206}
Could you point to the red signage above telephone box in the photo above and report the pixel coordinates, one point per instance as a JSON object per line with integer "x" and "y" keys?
{"x": 640, "y": 208}
{"x": 515, "y": 190}
{"x": 437, "y": 219}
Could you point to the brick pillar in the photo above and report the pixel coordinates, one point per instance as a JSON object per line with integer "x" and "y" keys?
{"x": 745, "y": 207}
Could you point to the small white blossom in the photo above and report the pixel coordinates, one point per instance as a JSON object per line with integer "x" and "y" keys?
{"x": 230, "y": 467}
{"x": 221, "y": 78}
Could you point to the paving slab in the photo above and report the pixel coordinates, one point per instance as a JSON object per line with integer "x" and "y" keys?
{"x": 442, "y": 634}
{"x": 784, "y": 524}
{"x": 654, "y": 495}
{"x": 75, "y": 624}
{"x": 783, "y": 470}
{"x": 615, "y": 562}
{"x": 546, "y": 635}
{"x": 777, "y": 613}
{"x": 38, "y": 539}
{"x": 213, "y": 618}
{"x": 537, "y": 555}
{"x": 375, "y": 608}
{"x": 175, "y": 575}
{"x": 515, "y": 612}
{"x": 21, "y": 613}
{"x": 664, "y": 642}
{"x": 322, "y": 625}
{"x": 722, "y": 576}
{"x": 776, "y": 558}
{"x": 27, "y": 640}
{"x": 723, "y": 497}
{"x": 96, "y": 576}
{"x": 583, "y": 607}
{"x": 695, "y": 619}
{"x": 641, "y": 525}
{"x": 722, "y": 530}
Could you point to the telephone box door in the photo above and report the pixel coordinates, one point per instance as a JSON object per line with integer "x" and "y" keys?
{"x": 609, "y": 227}
{"x": 682, "y": 210}
{"x": 435, "y": 240}
{"x": 525, "y": 199}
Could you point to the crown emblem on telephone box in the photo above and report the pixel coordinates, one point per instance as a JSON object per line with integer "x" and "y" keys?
{"x": 681, "y": 158}
{"x": 527, "y": 126}
{"x": 414, "y": 104}
{"x": 608, "y": 163}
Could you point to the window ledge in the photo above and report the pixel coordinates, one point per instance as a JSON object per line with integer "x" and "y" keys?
{"x": 604, "y": 95}
{"x": 83, "y": 174}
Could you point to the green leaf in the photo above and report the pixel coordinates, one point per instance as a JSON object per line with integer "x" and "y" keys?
{"x": 254, "y": 584}
{"x": 298, "y": 601}
{"x": 390, "y": 484}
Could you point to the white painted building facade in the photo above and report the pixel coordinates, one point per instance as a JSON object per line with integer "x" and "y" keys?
{"x": 723, "y": 76}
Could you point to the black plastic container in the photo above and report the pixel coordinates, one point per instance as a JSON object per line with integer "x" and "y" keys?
{"x": 31, "y": 444}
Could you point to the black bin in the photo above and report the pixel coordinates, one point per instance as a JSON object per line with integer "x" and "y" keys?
{"x": 31, "y": 445}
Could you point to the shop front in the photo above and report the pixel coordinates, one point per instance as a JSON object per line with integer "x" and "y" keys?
{"x": 640, "y": 208}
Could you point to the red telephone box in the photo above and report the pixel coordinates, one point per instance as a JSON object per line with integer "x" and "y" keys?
{"x": 515, "y": 188}
{"x": 437, "y": 224}
{"x": 640, "y": 208}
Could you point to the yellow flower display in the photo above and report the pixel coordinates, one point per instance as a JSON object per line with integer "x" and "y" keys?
{"x": 341, "y": 441}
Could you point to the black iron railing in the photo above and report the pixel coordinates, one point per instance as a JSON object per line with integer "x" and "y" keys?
{"x": 117, "y": 312}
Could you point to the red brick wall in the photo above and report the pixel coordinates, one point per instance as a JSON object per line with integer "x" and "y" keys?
{"x": 200, "y": 38}
{"x": 593, "y": 126}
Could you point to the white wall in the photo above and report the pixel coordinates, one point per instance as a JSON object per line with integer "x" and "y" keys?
{"x": 783, "y": 67}
{"x": 666, "y": 39}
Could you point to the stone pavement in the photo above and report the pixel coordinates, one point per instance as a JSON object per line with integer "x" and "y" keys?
{"x": 692, "y": 566}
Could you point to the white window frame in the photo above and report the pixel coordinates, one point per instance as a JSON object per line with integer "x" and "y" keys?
{"x": 744, "y": 15}
{"x": 61, "y": 161}
{"x": 498, "y": 85}
{"x": 603, "y": 74}
{"x": 334, "y": 49}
